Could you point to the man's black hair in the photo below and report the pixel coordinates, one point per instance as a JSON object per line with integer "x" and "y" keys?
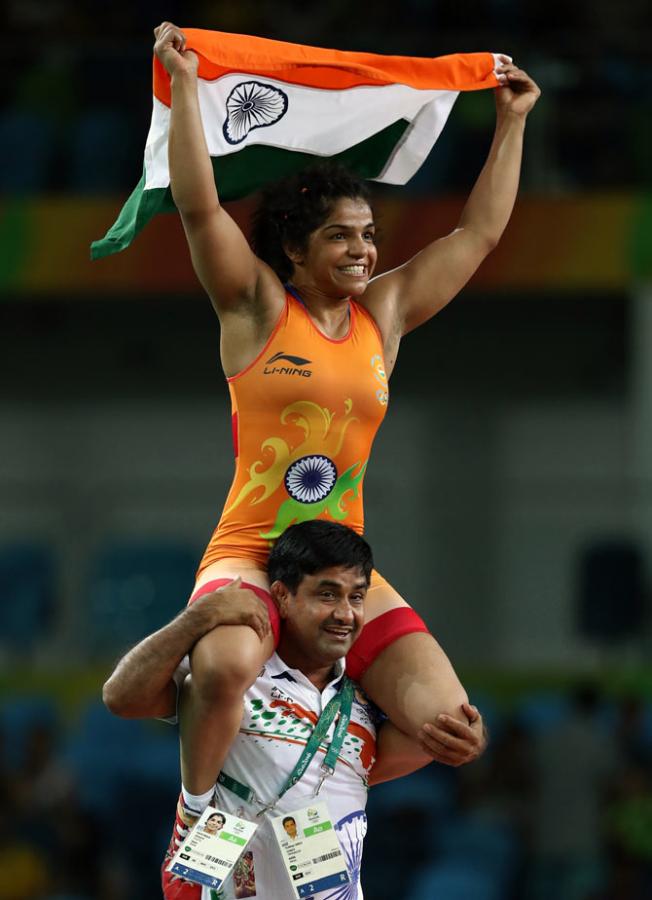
{"x": 289, "y": 819}
{"x": 309, "y": 547}
{"x": 292, "y": 208}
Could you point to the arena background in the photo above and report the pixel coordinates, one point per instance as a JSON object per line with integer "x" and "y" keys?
{"x": 510, "y": 495}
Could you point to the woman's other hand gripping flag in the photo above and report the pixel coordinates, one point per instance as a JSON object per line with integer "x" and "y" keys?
{"x": 269, "y": 107}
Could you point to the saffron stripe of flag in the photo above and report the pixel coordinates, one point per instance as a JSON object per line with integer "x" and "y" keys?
{"x": 269, "y": 108}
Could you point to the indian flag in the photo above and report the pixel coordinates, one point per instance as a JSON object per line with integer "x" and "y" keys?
{"x": 269, "y": 108}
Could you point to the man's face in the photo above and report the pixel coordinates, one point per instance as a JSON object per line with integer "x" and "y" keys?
{"x": 291, "y": 828}
{"x": 326, "y": 614}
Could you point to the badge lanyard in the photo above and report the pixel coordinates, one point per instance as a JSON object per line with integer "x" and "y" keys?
{"x": 342, "y": 702}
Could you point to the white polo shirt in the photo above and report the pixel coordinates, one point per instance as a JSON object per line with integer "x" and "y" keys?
{"x": 280, "y": 712}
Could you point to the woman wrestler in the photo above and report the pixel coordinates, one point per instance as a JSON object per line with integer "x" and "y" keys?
{"x": 307, "y": 364}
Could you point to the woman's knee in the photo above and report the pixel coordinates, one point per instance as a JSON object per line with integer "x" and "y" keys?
{"x": 413, "y": 681}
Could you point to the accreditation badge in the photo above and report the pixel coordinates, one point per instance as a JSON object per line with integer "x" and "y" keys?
{"x": 212, "y": 847}
{"x": 310, "y": 849}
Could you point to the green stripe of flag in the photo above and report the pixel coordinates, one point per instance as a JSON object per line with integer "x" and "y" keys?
{"x": 242, "y": 173}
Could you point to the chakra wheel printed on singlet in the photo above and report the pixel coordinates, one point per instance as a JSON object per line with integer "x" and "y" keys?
{"x": 250, "y": 105}
{"x": 310, "y": 478}
{"x": 351, "y": 831}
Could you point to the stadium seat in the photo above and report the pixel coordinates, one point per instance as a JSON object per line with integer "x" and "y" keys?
{"x": 106, "y": 752}
{"x": 27, "y": 141}
{"x": 135, "y": 588}
{"x": 430, "y": 790}
{"x": 455, "y": 881}
{"x": 492, "y": 845}
{"x": 404, "y": 814}
{"x": 100, "y": 145}
{"x": 18, "y": 716}
{"x": 27, "y": 594}
{"x": 543, "y": 710}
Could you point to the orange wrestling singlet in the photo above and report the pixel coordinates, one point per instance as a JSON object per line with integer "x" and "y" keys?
{"x": 305, "y": 413}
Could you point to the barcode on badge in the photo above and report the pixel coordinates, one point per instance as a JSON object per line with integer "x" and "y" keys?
{"x": 326, "y": 856}
{"x": 216, "y": 859}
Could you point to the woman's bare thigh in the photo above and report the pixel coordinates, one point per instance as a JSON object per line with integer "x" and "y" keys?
{"x": 381, "y": 598}
{"x": 230, "y": 567}
{"x": 411, "y": 679}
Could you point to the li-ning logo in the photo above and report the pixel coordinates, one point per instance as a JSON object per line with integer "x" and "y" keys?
{"x": 294, "y": 369}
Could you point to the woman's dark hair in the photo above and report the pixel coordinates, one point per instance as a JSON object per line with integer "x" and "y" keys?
{"x": 217, "y": 815}
{"x": 292, "y": 208}
{"x": 309, "y": 547}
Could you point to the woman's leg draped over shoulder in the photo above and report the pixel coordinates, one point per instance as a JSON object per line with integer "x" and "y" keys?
{"x": 401, "y": 666}
{"x": 224, "y": 664}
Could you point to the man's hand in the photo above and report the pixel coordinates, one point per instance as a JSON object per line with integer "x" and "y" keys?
{"x": 230, "y": 605}
{"x": 142, "y": 684}
{"x": 170, "y": 47}
{"x": 452, "y": 742}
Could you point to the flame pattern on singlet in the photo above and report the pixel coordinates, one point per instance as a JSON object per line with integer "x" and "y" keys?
{"x": 304, "y": 413}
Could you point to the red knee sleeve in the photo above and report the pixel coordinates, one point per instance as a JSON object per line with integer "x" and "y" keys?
{"x": 379, "y": 634}
{"x": 265, "y": 596}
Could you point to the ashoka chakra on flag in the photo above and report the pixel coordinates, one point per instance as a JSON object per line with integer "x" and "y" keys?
{"x": 269, "y": 108}
{"x": 252, "y": 105}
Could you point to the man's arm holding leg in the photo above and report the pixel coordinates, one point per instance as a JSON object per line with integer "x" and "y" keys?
{"x": 446, "y": 741}
{"x": 142, "y": 684}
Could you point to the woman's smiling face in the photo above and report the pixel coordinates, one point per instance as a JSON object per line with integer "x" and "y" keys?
{"x": 341, "y": 254}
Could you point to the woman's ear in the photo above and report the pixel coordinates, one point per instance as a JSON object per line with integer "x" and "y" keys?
{"x": 280, "y": 596}
{"x": 295, "y": 256}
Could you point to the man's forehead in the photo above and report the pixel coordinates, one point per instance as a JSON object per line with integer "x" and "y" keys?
{"x": 341, "y": 575}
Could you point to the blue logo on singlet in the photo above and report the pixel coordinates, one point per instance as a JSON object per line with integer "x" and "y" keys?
{"x": 311, "y": 478}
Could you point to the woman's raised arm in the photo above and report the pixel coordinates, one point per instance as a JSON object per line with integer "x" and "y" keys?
{"x": 221, "y": 256}
{"x": 406, "y": 297}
